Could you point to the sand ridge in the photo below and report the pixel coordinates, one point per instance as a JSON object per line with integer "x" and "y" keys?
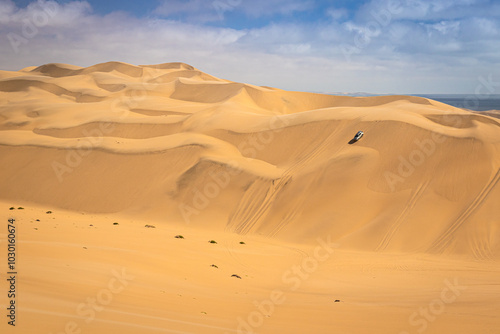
{"x": 425, "y": 158}
{"x": 103, "y": 166}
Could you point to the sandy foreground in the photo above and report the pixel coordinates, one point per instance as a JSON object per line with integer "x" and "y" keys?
{"x": 313, "y": 233}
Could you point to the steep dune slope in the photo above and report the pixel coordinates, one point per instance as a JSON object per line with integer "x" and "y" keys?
{"x": 171, "y": 143}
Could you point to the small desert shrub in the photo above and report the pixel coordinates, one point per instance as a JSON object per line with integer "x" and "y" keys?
{"x": 242, "y": 242}
{"x": 20, "y": 208}
{"x": 179, "y": 236}
{"x": 149, "y": 226}
{"x": 212, "y": 241}
{"x": 115, "y": 223}
{"x": 214, "y": 265}
{"x": 12, "y": 208}
{"x": 48, "y": 212}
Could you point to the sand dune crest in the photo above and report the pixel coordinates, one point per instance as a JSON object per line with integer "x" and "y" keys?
{"x": 418, "y": 166}
{"x": 161, "y": 199}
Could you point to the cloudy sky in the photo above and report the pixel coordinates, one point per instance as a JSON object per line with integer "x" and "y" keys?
{"x": 377, "y": 46}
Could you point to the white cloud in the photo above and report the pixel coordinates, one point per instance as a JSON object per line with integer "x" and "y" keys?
{"x": 428, "y": 10}
{"x": 263, "y": 8}
{"x": 44, "y": 13}
{"x": 446, "y": 27}
{"x": 75, "y": 35}
{"x": 216, "y": 10}
{"x": 301, "y": 48}
{"x": 337, "y": 14}
{"x": 194, "y": 10}
{"x": 6, "y": 10}
{"x": 485, "y": 27}
{"x": 402, "y": 56}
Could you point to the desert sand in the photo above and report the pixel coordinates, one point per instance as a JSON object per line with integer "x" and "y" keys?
{"x": 102, "y": 167}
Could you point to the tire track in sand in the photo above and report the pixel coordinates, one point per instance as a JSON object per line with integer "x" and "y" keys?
{"x": 443, "y": 241}
{"x": 259, "y": 198}
{"x": 480, "y": 245}
{"x": 417, "y": 194}
{"x": 296, "y": 207}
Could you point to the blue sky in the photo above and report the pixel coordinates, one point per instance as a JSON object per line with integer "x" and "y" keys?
{"x": 377, "y": 46}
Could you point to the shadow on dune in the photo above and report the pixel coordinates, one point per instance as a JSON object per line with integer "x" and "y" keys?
{"x": 352, "y": 141}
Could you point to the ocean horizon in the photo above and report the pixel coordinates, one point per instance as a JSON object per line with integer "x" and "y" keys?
{"x": 467, "y": 101}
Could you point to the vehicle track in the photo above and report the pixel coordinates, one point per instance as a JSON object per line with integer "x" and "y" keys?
{"x": 417, "y": 194}
{"x": 296, "y": 207}
{"x": 441, "y": 243}
{"x": 259, "y": 198}
{"x": 480, "y": 246}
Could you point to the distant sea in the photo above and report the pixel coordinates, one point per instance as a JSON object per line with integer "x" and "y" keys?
{"x": 465, "y": 101}
{"x": 468, "y": 101}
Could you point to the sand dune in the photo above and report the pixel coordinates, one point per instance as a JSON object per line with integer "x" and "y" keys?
{"x": 418, "y": 159}
{"x": 188, "y": 151}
